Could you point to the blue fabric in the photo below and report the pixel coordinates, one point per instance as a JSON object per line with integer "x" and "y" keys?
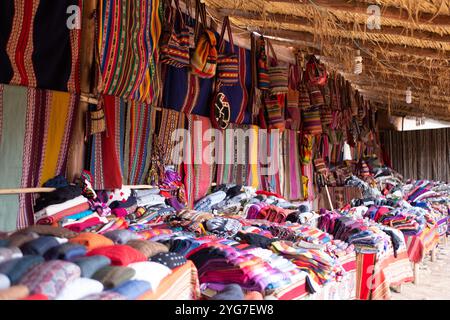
{"x": 66, "y": 251}
{"x": 77, "y": 216}
{"x": 90, "y": 265}
{"x": 15, "y": 269}
{"x": 39, "y": 246}
{"x": 133, "y": 289}
{"x": 178, "y": 79}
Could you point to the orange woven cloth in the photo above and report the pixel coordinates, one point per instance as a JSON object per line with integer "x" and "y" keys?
{"x": 92, "y": 240}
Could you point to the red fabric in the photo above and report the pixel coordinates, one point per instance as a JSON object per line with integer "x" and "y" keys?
{"x": 78, "y": 227}
{"x": 37, "y": 296}
{"x": 267, "y": 193}
{"x": 58, "y": 216}
{"x": 120, "y": 255}
{"x": 111, "y": 164}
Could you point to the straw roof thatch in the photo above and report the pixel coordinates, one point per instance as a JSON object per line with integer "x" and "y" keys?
{"x": 411, "y": 49}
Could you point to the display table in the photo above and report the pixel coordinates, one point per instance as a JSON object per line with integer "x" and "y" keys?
{"x": 181, "y": 284}
{"x": 376, "y": 274}
{"x": 421, "y": 244}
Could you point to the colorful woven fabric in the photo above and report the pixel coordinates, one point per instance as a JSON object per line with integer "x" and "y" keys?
{"x": 50, "y": 277}
{"x": 292, "y": 189}
{"x": 269, "y": 146}
{"x": 137, "y": 144}
{"x": 127, "y": 34}
{"x": 40, "y": 44}
{"x": 35, "y": 129}
{"x": 105, "y": 151}
{"x": 311, "y": 121}
{"x": 274, "y": 104}
{"x": 198, "y": 166}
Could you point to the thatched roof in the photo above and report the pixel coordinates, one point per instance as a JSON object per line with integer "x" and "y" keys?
{"x": 412, "y": 48}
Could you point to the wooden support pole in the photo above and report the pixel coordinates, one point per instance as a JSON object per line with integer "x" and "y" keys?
{"x": 416, "y": 273}
{"x": 77, "y": 147}
{"x": 329, "y": 198}
{"x": 433, "y": 254}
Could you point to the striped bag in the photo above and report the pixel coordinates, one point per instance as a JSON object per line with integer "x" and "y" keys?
{"x": 263, "y": 70}
{"x": 175, "y": 43}
{"x": 274, "y": 104}
{"x": 326, "y": 117}
{"x": 316, "y": 96}
{"x": 227, "y": 64}
{"x": 204, "y": 58}
{"x": 278, "y": 74}
{"x": 311, "y": 121}
{"x": 304, "y": 101}
{"x": 292, "y": 99}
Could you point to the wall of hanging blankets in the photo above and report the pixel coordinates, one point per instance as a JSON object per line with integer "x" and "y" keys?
{"x": 211, "y": 171}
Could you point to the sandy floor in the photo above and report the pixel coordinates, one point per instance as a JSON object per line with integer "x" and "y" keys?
{"x": 434, "y": 279}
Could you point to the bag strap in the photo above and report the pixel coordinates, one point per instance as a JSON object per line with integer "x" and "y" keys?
{"x": 177, "y": 7}
{"x": 294, "y": 76}
{"x": 198, "y": 17}
{"x": 226, "y": 26}
{"x": 274, "y": 56}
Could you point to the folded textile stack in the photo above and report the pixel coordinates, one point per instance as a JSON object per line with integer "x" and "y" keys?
{"x": 86, "y": 266}
{"x": 55, "y": 212}
{"x": 220, "y": 263}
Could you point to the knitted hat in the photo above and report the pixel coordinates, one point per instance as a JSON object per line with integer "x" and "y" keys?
{"x": 18, "y": 239}
{"x": 171, "y": 260}
{"x": 14, "y": 293}
{"x": 9, "y": 253}
{"x": 90, "y": 265}
{"x": 113, "y": 276}
{"x": 45, "y": 230}
{"x": 121, "y": 236}
{"x": 148, "y": 248}
{"x": 15, "y": 269}
{"x": 92, "y": 240}
{"x": 230, "y": 292}
{"x": 40, "y": 245}
{"x": 50, "y": 277}
{"x": 67, "y": 251}
{"x": 120, "y": 255}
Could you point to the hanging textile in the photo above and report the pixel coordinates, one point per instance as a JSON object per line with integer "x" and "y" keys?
{"x": 254, "y": 176}
{"x": 13, "y": 117}
{"x": 198, "y": 166}
{"x": 238, "y": 156}
{"x": 128, "y": 35}
{"x": 122, "y": 154}
{"x": 238, "y": 94}
{"x": 40, "y": 44}
{"x": 170, "y": 120}
{"x": 138, "y": 143}
{"x": 185, "y": 92}
{"x": 35, "y": 128}
{"x": 292, "y": 188}
{"x": 307, "y": 172}
{"x": 269, "y": 153}
{"x": 106, "y": 150}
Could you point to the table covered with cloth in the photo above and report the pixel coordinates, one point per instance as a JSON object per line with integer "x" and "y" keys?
{"x": 345, "y": 289}
{"x": 422, "y": 243}
{"x": 181, "y": 284}
{"x": 377, "y": 273}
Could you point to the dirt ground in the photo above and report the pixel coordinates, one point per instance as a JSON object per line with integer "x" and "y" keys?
{"x": 434, "y": 278}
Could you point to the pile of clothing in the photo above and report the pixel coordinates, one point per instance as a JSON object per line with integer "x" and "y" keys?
{"x": 44, "y": 262}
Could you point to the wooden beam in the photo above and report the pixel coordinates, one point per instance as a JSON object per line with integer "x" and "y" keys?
{"x": 76, "y": 153}
{"x": 357, "y": 7}
{"x": 312, "y": 38}
{"x": 299, "y": 20}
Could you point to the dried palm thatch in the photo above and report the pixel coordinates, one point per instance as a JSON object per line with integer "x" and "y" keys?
{"x": 412, "y": 48}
